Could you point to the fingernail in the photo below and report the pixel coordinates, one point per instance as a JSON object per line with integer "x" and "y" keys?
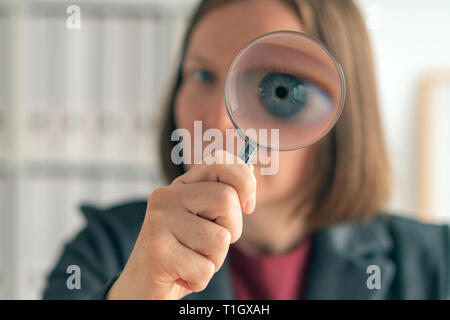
{"x": 250, "y": 204}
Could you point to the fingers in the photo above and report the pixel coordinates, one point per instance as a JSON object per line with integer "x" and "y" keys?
{"x": 216, "y": 202}
{"x": 205, "y": 237}
{"x": 189, "y": 269}
{"x": 238, "y": 175}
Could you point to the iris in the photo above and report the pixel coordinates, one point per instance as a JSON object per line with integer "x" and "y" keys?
{"x": 202, "y": 75}
{"x": 283, "y": 95}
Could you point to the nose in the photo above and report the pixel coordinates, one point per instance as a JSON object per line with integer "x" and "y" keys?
{"x": 217, "y": 116}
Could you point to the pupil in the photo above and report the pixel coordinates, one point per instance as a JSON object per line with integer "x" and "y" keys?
{"x": 281, "y": 92}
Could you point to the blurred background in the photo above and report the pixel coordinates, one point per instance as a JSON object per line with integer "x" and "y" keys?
{"x": 79, "y": 113}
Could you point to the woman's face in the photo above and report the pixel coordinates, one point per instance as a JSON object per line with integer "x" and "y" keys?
{"x": 214, "y": 43}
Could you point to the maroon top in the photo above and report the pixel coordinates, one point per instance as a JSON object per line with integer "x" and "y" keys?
{"x": 269, "y": 277}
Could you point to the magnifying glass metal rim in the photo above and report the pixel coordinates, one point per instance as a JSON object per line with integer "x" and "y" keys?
{"x": 252, "y": 145}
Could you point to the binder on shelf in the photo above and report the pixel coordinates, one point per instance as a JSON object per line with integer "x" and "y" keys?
{"x": 54, "y": 80}
{"x": 128, "y": 95}
{"x": 148, "y": 104}
{"x": 34, "y": 120}
{"x": 4, "y": 226}
{"x": 177, "y": 27}
{"x": 42, "y": 225}
{"x": 31, "y": 234}
{"x": 73, "y": 121}
{"x": 5, "y": 88}
{"x": 7, "y": 243}
{"x": 4, "y": 141}
{"x": 110, "y": 121}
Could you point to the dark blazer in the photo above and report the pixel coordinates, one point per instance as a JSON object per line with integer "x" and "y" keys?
{"x": 413, "y": 258}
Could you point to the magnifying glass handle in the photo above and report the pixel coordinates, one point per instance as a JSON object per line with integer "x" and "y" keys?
{"x": 247, "y": 152}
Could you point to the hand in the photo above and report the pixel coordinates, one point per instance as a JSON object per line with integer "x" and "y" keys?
{"x": 188, "y": 228}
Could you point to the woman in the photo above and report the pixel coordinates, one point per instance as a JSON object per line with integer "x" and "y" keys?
{"x": 314, "y": 230}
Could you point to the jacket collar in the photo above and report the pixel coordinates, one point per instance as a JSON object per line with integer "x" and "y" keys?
{"x": 339, "y": 261}
{"x": 337, "y": 267}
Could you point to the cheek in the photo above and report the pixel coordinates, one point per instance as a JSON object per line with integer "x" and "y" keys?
{"x": 185, "y": 111}
{"x": 289, "y": 178}
{"x": 188, "y": 109}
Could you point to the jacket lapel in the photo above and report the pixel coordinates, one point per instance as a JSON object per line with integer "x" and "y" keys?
{"x": 339, "y": 261}
{"x": 337, "y": 268}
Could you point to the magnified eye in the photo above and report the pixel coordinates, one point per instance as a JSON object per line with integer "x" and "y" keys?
{"x": 289, "y": 97}
{"x": 282, "y": 94}
{"x": 287, "y": 83}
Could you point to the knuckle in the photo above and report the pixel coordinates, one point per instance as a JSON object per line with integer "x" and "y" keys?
{"x": 227, "y": 195}
{"x": 198, "y": 286}
{"x": 157, "y": 197}
{"x": 206, "y": 271}
{"x": 222, "y": 238}
{"x": 236, "y": 235}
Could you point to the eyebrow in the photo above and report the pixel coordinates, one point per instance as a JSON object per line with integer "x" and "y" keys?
{"x": 276, "y": 56}
{"x": 198, "y": 57}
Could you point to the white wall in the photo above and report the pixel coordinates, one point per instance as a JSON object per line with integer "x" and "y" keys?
{"x": 409, "y": 37}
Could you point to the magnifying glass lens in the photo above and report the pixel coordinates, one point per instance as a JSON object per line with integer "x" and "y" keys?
{"x": 287, "y": 84}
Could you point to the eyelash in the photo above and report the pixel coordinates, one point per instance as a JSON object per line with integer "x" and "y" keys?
{"x": 210, "y": 75}
{"x": 192, "y": 73}
{"x": 283, "y": 69}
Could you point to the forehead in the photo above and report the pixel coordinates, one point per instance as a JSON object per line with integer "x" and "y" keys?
{"x": 225, "y": 30}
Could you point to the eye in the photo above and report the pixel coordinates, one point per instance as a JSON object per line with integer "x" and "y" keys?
{"x": 202, "y": 75}
{"x": 283, "y": 95}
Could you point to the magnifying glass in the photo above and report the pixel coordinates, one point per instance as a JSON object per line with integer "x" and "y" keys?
{"x": 285, "y": 83}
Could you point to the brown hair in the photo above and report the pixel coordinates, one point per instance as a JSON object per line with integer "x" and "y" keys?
{"x": 351, "y": 174}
